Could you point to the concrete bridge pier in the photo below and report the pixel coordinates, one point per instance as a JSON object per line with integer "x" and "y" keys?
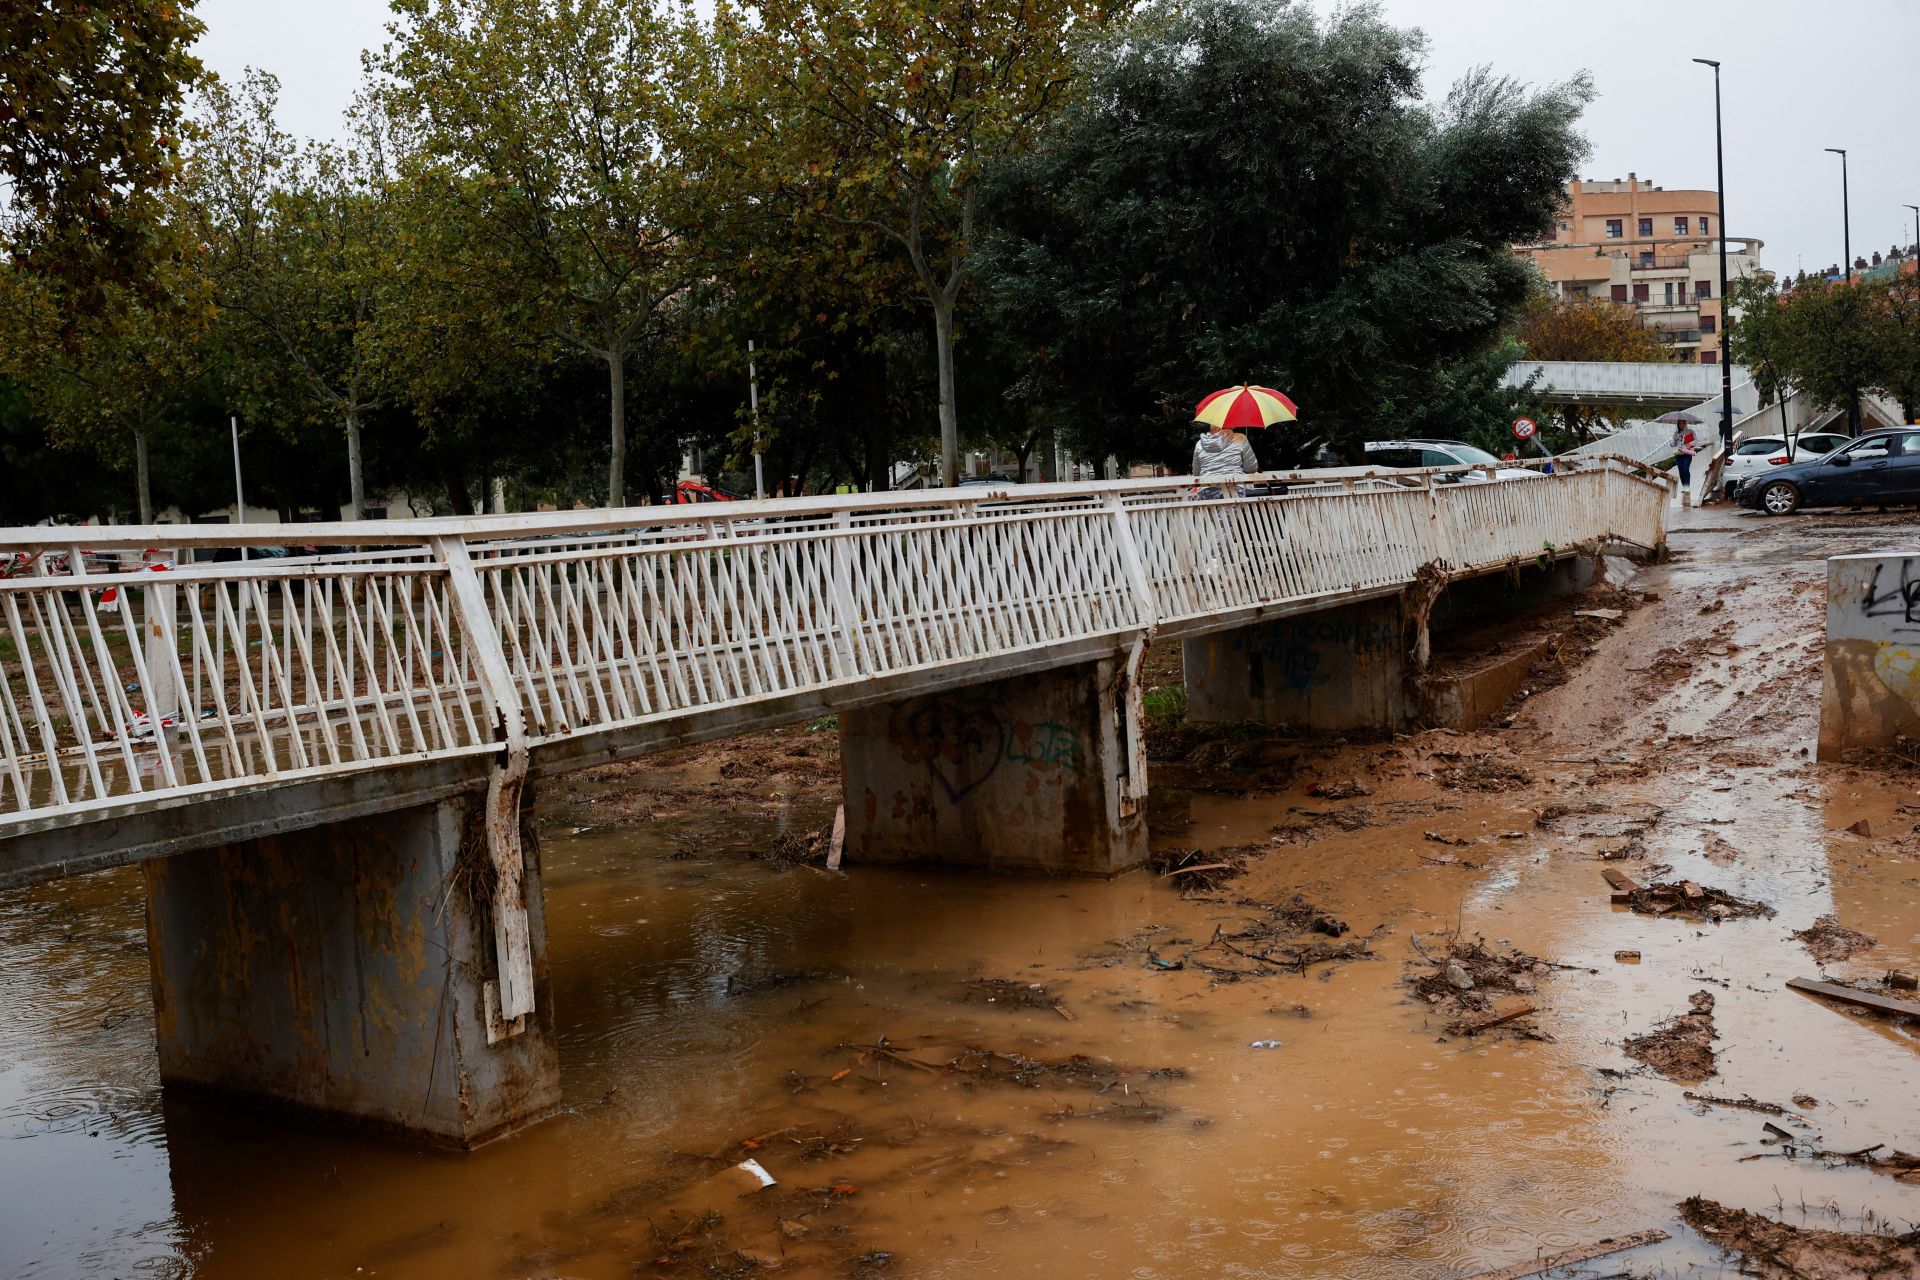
{"x": 1340, "y": 669}
{"x": 348, "y": 969}
{"x": 1042, "y": 773}
{"x": 1363, "y": 666}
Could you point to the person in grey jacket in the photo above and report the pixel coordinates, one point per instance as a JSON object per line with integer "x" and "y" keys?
{"x": 1222, "y": 453}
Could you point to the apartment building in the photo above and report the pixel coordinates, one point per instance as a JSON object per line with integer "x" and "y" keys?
{"x": 1655, "y": 250}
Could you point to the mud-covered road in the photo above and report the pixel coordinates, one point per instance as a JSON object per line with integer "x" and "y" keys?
{"x": 1300, "y": 1064}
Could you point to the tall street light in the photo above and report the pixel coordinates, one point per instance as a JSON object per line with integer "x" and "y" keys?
{"x": 1846, "y": 222}
{"x": 1726, "y": 349}
{"x": 1846, "y": 244}
{"x": 1916, "y": 228}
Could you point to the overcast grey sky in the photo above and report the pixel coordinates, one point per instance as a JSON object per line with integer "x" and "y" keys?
{"x": 1798, "y": 76}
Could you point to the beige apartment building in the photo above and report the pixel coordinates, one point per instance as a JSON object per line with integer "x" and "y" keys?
{"x": 1655, "y": 250}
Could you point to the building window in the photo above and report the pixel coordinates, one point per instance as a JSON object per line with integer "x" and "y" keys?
{"x": 1669, "y": 293}
{"x": 1709, "y": 357}
{"x": 1613, "y": 229}
{"x": 1646, "y": 258}
{"x": 1619, "y": 293}
{"x": 1705, "y": 229}
{"x": 1646, "y": 226}
{"x": 1640, "y": 293}
{"x": 1680, "y": 226}
{"x": 1708, "y": 324}
{"x": 1703, "y": 288}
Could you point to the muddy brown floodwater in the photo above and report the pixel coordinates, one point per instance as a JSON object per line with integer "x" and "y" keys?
{"x": 954, "y": 1076}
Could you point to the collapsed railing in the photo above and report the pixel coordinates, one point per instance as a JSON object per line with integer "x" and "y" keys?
{"x": 412, "y": 641}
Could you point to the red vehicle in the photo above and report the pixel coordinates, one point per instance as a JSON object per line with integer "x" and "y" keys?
{"x": 691, "y": 491}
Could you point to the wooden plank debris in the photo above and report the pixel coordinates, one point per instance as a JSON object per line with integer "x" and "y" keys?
{"x": 1579, "y": 1253}
{"x": 838, "y": 844}
{"x": 1486, "y": 1022}
{"x": 1620, "y": 880}
{"x": 1205, "y": 866}
{"x": 1852, "y": 995}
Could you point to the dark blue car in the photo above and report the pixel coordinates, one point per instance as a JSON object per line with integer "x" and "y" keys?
{"x": 1877, "y": 469}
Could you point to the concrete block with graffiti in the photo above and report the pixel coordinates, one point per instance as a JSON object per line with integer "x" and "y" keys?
{"x": 1870, "y": 678}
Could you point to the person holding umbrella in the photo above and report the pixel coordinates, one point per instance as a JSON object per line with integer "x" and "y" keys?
{"x": 1684, "y": 446}
{"x": 1223, "y": 451}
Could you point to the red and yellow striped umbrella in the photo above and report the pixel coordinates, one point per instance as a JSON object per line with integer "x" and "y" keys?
{"x": 1244, "y": 406}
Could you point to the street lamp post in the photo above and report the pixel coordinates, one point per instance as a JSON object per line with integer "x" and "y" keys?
{"x": 1916, "y": 229}
{"x": 1726, "y": 349}
{"x": 1846, "y": 221}
{"x": 1846, "y": 246}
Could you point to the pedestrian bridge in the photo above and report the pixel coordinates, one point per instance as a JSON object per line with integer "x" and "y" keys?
{"x": 1663, "y": 384}
{"x": 284, "y": 742}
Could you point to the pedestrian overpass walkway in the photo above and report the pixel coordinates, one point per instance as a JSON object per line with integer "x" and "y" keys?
{"x": 1660, "y": 385}
{"x": 240, "y": 698}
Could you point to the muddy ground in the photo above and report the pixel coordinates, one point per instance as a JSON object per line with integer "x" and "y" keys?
{"x": 1374, "y": 1012}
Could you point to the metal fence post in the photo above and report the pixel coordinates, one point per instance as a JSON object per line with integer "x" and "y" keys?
{"x": 842, "y": 593}
{"x": 1130, "y": 560}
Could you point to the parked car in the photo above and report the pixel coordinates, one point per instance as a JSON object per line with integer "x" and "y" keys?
{"x": 1879, "y": 468}
{"x": 1757, "y": 454}
{"x": 1443, "y": 453}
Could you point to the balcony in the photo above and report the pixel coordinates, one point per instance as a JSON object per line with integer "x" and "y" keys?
{"x": 1679, "y": 337}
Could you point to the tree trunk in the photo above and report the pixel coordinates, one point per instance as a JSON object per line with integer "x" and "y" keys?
{"x": 356, "y": 479}
{"x": 498, "y": 506}
{"x": 879, "y": 434}
{"x": 617, "y": 461}
{"x": 949, "y": 418}
{"x": 453, "y": 474}
{"x": 143, "y": 491}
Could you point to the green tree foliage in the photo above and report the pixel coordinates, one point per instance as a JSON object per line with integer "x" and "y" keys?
{"x": 298, "y": 244}
{"x": 886, "y": 115}
{"x": 551, "y": 126}
{"x": 121, "y": 375}
{"x": 1245, "y": 192}
{"x": 90, "y": 103}
{"x": 1827, "y": 340}
{"x": 1758, "y": 336}
{"x": 1900, "y": 342}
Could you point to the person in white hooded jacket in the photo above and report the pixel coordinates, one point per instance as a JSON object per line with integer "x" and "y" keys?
{"x": 1222, "y": 452}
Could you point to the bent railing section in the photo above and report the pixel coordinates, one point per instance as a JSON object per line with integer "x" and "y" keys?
{"x": 424, "y": 640}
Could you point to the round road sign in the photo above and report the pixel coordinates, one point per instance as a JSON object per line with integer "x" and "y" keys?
{"x": 1523, "y": 428}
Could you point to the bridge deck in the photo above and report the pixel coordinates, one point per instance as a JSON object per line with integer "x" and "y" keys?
{"x": 227, "y": 700}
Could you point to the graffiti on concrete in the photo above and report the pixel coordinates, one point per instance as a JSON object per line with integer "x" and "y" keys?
{"x": 1892, "y": 600}
{"x": 963, "y": 739}
{"x": 1893, "y": 592}
{"x": 1045, "y": 743}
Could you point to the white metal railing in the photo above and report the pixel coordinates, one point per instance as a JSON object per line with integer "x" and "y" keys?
{"x": 424, "y": 640}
